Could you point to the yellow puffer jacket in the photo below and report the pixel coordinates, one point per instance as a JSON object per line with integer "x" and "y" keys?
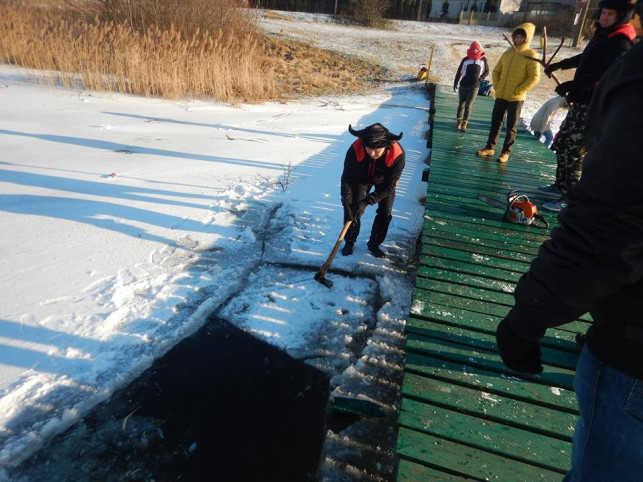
{"x": 514, "y": 75}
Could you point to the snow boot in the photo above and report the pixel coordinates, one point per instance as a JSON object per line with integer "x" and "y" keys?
{"x": 463, "y": 127}
{"x": 347, "y": 250}
{"x": 376, "y": 251}
{"x": 458, "y": 124}
{"x": 504, "y": 157}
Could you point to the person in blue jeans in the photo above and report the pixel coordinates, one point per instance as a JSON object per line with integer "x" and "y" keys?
{"x": 593, "y": 263}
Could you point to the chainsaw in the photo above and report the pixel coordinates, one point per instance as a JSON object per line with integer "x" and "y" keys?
{"x": 518, "y": 209}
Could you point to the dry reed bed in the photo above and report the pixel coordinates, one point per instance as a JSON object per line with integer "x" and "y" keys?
{"x": 234, "y": 64}
{"x": 107, "y": 56}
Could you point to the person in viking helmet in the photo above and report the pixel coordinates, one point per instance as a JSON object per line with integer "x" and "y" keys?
{"x": 372, "y": 168}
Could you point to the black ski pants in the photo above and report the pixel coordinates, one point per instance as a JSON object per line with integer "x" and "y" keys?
{"x": 511, "y": 110}
{"x": 383, "y": 216}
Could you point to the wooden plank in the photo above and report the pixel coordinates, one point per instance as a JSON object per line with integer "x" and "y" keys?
{"x": 481, "y": 257}
{"x": 561, "y": 338}
{"x": 408, "y": 470}
{"x": 433, "y": 292}
{"x": 495, "y": 382}
{"x": 476, "y": 340}
{"x": 489, "y": 427}
{"x": 477, "y": 464}
{"x": 553, "y": 376}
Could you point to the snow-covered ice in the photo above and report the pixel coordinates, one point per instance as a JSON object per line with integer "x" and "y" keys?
{"x": 127, "y": 221}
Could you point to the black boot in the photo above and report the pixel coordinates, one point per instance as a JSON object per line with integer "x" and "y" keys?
{"x": 347, "y": 250}
{"x": 377, "y": 252}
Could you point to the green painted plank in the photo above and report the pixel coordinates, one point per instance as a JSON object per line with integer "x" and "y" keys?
{"x": 425, "y": 297}
{"x": 561, "y": 338}
{"x": 471, "y": 275}
{"x": 481, "y": 431}
{"x": 487, "y": 360}
{"x": 504, "y": 297}
{"x": 422, "y": 297}
{"x": 476, "y": 464}
{"x": 467, "y": 233}
{"x": 495, "y": 382}
{"x": 475, "y": 340}
{"x": 491, "y": 229}
{"x": 488, "y": 259}
{"x": 488, "y": 224}
{"x": 479, "y": 249}
{"x": 410, "y": 471}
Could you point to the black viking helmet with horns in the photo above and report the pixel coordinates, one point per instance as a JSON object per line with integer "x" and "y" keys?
{"x": 375, "y": 136}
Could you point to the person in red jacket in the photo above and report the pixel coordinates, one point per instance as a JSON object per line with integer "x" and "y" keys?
{"x": 612, "y": 39}
{"x": 372, "y": 168}
{"x": 472, "y": 70}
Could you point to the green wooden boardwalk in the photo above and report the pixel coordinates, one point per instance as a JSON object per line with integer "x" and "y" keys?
{"x": 463, "y": 413}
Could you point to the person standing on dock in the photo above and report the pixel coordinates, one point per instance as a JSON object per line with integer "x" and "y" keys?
{"x": 472, "y": 70}
{"x": 374, "y": 161}
{"x": 612, "y": 39}
{"x": 513, "y": 76}
{"x": 594, "y": 263}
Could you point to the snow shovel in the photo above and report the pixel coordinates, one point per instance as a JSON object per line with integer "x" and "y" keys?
{"x": 320, "y": 276}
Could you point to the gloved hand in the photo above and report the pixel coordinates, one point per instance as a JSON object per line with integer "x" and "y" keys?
{"x": 361, "y": 207}
{"x": 455, "y": 88}
{"x": 518, "y": 354}
{"x": 552, "y": 68}
{"x": 565, "y": 87}
{"x": 579, "y": 96}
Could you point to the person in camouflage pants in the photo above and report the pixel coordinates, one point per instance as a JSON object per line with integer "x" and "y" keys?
{"x": 612, "y": 38}
{"x": 569, "y": 147}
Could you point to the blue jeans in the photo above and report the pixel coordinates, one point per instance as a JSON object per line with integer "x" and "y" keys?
{"x": 549, "y": 136}
{"x": 608, "y": 439}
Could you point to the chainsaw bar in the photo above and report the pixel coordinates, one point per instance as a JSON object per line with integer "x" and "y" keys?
{"x": 493, "y": 202}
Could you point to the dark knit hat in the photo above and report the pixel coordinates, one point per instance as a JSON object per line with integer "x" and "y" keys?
{"x": 375, "y": 136}
{"x": 623, "y": 7}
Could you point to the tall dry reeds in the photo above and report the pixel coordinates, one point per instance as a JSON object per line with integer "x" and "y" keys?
{"x": 167, "y": 48}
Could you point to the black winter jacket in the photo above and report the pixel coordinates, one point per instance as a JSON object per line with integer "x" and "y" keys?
{"x": 471, "y": 72}
{"x": 594, "y": 260}
{"x": 607, "y": 45}
{"x": 383, "y": 172}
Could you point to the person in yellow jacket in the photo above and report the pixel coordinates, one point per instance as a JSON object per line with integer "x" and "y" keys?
{"x": 513, "y": 76}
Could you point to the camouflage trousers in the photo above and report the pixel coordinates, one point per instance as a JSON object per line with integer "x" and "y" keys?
{"x": 569, "y": 147}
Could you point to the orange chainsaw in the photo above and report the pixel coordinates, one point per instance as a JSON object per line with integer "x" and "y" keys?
{"x": 518, "y": 209}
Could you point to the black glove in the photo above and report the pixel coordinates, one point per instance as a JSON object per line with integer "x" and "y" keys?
{"x": 455, "y": 88}
{"x": 361, "y": 207}
{"x": 551, "y": 68}
{"x": 579, "y": 96}
{"x": 565, "y": 87}
{"x": 518, "y": 354}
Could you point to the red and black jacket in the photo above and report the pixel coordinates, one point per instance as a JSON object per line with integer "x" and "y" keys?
{"x": 607, "y": 45}
{"x": 383, "y": 172}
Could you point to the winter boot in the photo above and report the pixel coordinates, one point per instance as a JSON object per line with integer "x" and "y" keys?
{"x": 376, "y": 251}
{"x": 463, "y": 127}
{"x": 486, "y": 152}
{"x": 458, "y": 124}
{"x": 504, "y": 157}
{"x": 347, "y": 250}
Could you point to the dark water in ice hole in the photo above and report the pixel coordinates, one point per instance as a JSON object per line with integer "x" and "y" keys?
{"x": 220, "y": 406}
